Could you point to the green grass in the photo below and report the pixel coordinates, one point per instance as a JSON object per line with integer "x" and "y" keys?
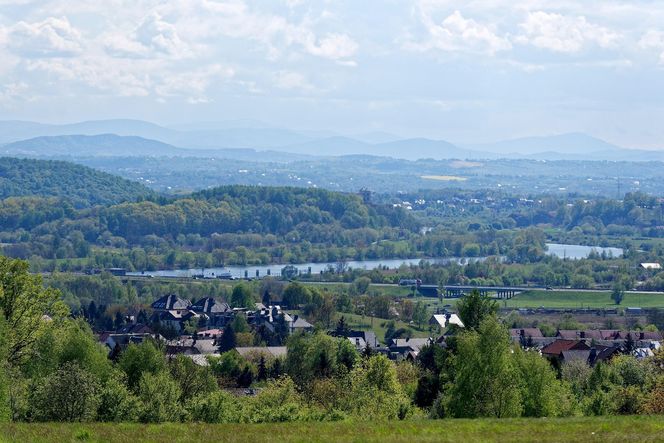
{"x": 597, "y": 429}
{"x": 580, "y": 299}
{"x": 378, "y": 325}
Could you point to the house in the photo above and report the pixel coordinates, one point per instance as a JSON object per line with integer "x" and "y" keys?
{"x": 650, "y": 266}
{"x": 269, "y": 317}
{"x": 209, "y": 333}
{"x": 591, "y": 356}
{"x": 272, "y": 314}
{"x": 527, "y": 337}
{"x": 199, "y": 359}
{"x": 136, "y": 328}
{"x": 299, "y": 324}
{"x": 192, "y": 346}
{"x": 209, "y": 306}
{"x": 215, "y": 313}
{"x": 362, "y": 339}
{"x": 359, "y": 339}
{"x": 172, "y": 311}
{"x": 526, "y": 332}
{"x": 171, "y": 303}
{"x": 175, "y": 318}
{"x": 121, "y": 340}
{"x": 640, "y": 335}
{"x": 407, "y": 348}
{"x": 589, "y": 334}
{"x": 252, "y": 352}
{"x": 556, "y": 348}
{"x": 567, "y": 334}
{"x": 445, "y": 320}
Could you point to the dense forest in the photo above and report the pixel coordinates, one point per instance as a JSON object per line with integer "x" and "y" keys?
{"x": 234, "y": 224}
{"x": 78, "y": 185}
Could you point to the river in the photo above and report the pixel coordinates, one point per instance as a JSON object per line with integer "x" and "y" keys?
{"x": 576, "y": 252}
{"x": 560, "y": 250}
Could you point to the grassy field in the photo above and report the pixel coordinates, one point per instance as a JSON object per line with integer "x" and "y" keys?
{"x": 580, "y": 299}
{"x": 603, "y": 429}
{"x": 378, "y": 325}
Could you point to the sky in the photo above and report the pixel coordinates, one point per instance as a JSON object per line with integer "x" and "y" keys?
{"x": 464, "y": 71}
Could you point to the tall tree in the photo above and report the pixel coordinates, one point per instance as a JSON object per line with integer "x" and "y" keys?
{"x": 473, "y": 308}
{"x": 227, "y": 341}
{"x": 420, "y": 313}
{"x": 242, "y": 296}
{"x": 25, "y": 305}
{"x": 486, "y": 381}
{"x": 618, "y": 292}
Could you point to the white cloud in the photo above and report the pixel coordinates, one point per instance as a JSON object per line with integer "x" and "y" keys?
{"x": 274, "y": 32}
{"x": 653, "y": 40}
{"x": 52, "y": 37}
{"x": 127, "y": 79}
{"x": 292, "y": 80}
{"x": 560, "y": 33}
{"x": 153, "y": 37}
{"x": 457, "y": 33}
{"x": 14, "y": 92}
{"x": 332, "y": 46}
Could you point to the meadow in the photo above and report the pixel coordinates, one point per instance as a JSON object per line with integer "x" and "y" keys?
{"x": 582, "y": 299}
{"x": 595, "y": 429}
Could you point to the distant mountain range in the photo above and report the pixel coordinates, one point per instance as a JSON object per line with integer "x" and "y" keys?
{"x": 111, "y": 145}
{"x": 252, "y": 140}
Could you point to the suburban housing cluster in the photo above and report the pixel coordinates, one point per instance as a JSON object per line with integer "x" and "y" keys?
{"x": 211, "y": 317}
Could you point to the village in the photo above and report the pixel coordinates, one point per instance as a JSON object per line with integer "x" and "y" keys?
{"x": 200, "y": 330}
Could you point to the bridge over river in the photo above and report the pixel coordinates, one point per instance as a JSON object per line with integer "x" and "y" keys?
{"x": 501, "y": 292}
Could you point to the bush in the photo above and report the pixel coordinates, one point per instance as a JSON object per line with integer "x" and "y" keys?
{"x": 215, "y": 407}
{"x": 116, "y": 402}
{"x": 159, "y": 396}
{"x": 68, "y": 394}
{"x": 137, "y": 360}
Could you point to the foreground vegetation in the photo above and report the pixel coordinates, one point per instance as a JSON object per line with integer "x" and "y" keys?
{"x": 600, "y": 429}
{"x": 54, "y": 369}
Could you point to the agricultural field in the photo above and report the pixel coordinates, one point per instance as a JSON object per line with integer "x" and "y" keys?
{"x": 582, "y": 299}
{"x": 595, "y": 429}
{"x": 444, "y": 178}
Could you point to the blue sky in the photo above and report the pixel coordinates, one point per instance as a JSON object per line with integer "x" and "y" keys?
{"x": 459, "y": 70}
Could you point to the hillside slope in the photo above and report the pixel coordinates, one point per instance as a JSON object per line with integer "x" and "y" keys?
{"x": 81, "y": 185}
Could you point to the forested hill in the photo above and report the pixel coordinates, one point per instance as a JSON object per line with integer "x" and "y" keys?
{"x": 310, "y": 214}
{"x": 81, "y": 185}
{"x": 228, "y": 225}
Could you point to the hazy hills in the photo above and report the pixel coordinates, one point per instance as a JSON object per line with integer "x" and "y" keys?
{"x": 251, "y": 140}
{"x": 111, "y": 145}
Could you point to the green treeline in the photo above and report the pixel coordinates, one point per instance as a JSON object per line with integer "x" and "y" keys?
{"x": 229, "y": 225}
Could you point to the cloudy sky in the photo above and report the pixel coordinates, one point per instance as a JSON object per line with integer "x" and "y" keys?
{"x": 458, "y": 70}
